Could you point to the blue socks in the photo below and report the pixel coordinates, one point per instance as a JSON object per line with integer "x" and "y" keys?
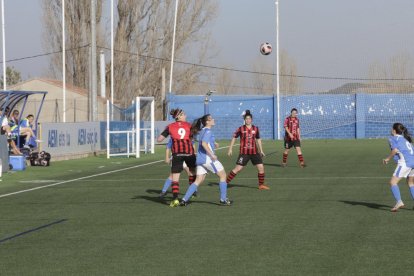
{"x": 412, "y": 191}
{"x": 167, "y": 184}
{"x": 190, "y": 192}
{"x": 396, "y": 192}
{"x": 223, "y": 190}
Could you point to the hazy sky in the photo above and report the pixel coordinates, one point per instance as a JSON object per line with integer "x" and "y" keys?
{"x": 324, "y": 37}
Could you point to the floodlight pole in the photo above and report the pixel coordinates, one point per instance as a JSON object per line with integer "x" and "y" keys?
{"x": 207, "y": 100}
{"x": 93, "y": 52}
{"x": 63, "y": 62}
{"x": 173, "y": 46}
{"x": 4, "y": 46}
{"x": 112, "y": 58}
{"x": 277, "y": 71}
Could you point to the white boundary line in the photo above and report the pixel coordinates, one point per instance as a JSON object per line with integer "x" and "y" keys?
{"x": 80, "y": 178}
{"x": 84, "y": 177}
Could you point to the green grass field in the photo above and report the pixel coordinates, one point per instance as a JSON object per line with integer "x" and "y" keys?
{"x": 104, "y": 218}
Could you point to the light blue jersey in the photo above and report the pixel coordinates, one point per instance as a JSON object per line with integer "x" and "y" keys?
{"x": 205, "y": 135}
{"x": 169, "y": 144}
{"x": 405, "y": 154}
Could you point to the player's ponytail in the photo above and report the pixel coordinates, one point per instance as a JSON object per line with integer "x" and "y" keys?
{"x": 247, "y": 113}
{"x": 402, "y": 130}
{"x": 198, "y": 124}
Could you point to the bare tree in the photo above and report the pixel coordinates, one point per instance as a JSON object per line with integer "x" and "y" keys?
{"x": 143, "y": 41}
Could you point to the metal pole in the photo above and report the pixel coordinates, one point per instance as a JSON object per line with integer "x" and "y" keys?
{"x": 173, "y": 46}
{"x": 103, "y": 84}
{"x": 63, "y": 61}
{"x": 93, "y": 52}
{"x": 277, "y": 70}
{"x": 112, "y": 58}
{"x": 4, "y": 46}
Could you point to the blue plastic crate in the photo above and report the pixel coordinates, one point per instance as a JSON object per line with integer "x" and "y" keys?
{"x": 18, "y": 162}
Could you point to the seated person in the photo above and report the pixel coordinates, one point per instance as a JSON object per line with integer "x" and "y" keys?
{"x": 5, "y": 129}
{"x": 26, "y": 128}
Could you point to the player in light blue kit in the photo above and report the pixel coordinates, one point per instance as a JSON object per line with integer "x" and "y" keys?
{"x": 403, "y": 154}
{"x": 206, "y": 159}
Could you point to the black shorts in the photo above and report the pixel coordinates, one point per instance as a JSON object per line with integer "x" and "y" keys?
{"x": 243, "y": 159}
{"x": 178, "y": 159}
{"x": 289, "y": 144}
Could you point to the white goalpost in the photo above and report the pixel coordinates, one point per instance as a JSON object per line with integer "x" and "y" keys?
{"x": 131, "y": 130}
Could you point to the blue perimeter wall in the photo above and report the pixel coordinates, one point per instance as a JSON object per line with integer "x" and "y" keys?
{"x": 328, "y": 116}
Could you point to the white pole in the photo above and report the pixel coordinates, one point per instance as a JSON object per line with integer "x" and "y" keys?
{"x": 112, "y": 57}
{"x": 153, "y": 126}
{"x": 102, "y": 71}
{"x": 277, "y": 70}
{"x": 4, "y": 46}
{"x": 108, "y": 148}
{"x": 137, "y": 127}
{"x": 63, "y": 61}
{"x": 173, "y": 45}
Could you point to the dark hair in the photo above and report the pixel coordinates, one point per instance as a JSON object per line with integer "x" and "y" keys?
{"x": 402, "y": 130}
{"x": 293, "y": 109}
{"x": 30, "y": 115}
{"x": 176, "y": 112}
{"x": 247, "y": 113}
{"x": 198, "y": 124}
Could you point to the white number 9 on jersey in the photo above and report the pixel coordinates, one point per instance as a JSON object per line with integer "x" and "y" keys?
{"x": 181, "y": 132}
{"x": 409, "y": 147}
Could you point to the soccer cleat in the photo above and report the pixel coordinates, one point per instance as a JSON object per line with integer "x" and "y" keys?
{"x": 263, "y": 187}
{"x": 175, "y": 203}
{"x": 26, "y": 146}
{"x": 397, "y": 206}
{"x": 226, "y": 202}
{"x": 162, "y": 194}
{"x": 302, "y": 164}
{"x": 38, "y": 141}
{"x": 183, "y": 203}
{"x": 284, "y": 165}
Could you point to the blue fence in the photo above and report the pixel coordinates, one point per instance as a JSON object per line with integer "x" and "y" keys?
{"x": 339, "y": 116}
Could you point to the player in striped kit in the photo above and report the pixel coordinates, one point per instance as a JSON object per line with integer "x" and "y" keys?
{"x": 292, "y": 137}
{"x": 249, "y": 151}
{"x": 182, "y": 150}
{"x": 403, "y": 154}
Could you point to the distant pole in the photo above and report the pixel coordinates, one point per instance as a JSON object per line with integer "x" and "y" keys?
{"x": 112, "y": 58}
{"x": 102, "y": 70}
{"x": 93, "y": 52}
{"x": 63, "y": 61}
{"x": 173, "y": 46}
{"x": 4, "y": 46}
{"x": 277, "y": 70}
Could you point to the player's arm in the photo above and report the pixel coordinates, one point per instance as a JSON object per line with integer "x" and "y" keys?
{"x": 163, "y": 135}
{"x": 389, "y": 157}
{"x": 208, "y": 151}
{"x": 288, "y": 132}
{"x": 298, "y": 133}
{"x": 167, "y": 155}
{"x": 230, "y": 150}
{"x": 259, "y": 144}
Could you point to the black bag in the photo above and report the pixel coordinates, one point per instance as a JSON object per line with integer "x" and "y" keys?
{"x": 39, "y": 158}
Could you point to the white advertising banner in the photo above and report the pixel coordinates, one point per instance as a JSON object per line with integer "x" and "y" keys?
{"x": 70, "y": 138}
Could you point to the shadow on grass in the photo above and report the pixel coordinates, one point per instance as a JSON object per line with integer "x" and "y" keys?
{"x": 167, "y": 200}
{"x": 367, "y": 204}
{"x": 229, "y": 186}
{"x": 272, "y": 165}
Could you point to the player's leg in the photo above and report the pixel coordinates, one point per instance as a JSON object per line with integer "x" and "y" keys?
{"x": 299, "y": 152}
{"x": 167, "y": 185}
{"x": 400, "y": 172}
{"x": 410, "y": 182}
{"x": 176, "y": 169}
{"x": 240, "y": 163}
{"x": 287, "y": 146}
{"x": 201, "y": 174}
{"x": 258, "y": 162}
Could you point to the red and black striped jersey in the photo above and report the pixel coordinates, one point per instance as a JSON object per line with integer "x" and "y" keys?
{"x": 180, "y": 133}
{"x": 248, "y": 138}
{"x": 292, "y": 123}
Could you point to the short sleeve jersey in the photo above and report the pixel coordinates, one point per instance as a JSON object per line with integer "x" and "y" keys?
{"x": 292, "y": 123}
{"x": 180, "y": 133}
{"x": 405, "y": 152}
{"x": 207, "y": 136}
{"x": 248, "y": 138}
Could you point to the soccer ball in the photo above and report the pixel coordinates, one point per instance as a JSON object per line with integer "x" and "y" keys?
{"x": 265, "y": 48}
